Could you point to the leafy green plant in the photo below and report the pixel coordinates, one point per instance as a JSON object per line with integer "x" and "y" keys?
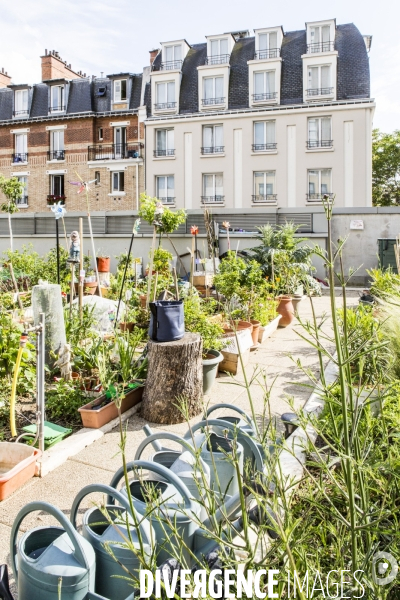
{"x": 62, "y": 402}
{"x": 161, "y": 260}
{"x": 12, "y": 189}
{"x": 169, "y": 220}
{"x": 385, "y": 284}
{"x": 197, "y": 320}
{"x": 385, "y": 168}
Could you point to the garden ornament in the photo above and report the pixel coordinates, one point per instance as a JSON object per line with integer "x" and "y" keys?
{"x": 74, "y": 248}
{"x": 83, "y": 185}
{"x": 64, "y": 362}
{"x": 227, "y": 225}
{"x": 58, "y": 210}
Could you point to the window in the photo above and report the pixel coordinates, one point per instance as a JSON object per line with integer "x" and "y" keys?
{"x": 264, "y": 136}
{"x": 268, "y": 45}
{"x": 264, "y": 86}
{"x": 319, "y": 183}
{"x": 264, "y": 186}
{"x": 172, "y": 57}
{"x": 213, "y": 141}
{"x": 320, "y": 39}
{"x": 56, "y": 188}
{"x": 165, "y": 188}
{"x": 57, "y": 98}
{"x": 23, "y": 200}
{"x": 213, "y": 91}
{"x": 120, "y": 90}
{"x": 117, "y": 181}
{"x": 212, "y": 188}
{"x": 219, "y": 52}
{"x": 21, "y": 148}
{"x": 120, "y": 149}
{"x": 319, "y": 133}
{"x": 165, "y": 95}
{"x": 56, "y": 145}
{"x": 100, "y": 134}
{"x": 319, "y": 81}
{"x": 20, "y": 102}
{"x": 97, "y": 177}
{"x": 164, "y": 143}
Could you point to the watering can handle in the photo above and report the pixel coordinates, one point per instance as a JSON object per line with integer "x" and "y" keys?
{"x": 231, "y": 427}
{"x": 155, "y": 468}
{"x": 163, "y": 435}
{"x": 230, "y": 407}
{"x": 61, "y": 518}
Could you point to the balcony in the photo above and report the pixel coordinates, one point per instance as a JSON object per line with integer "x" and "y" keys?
{"x": 21, "y": 113}
{"x": 320, "y": 47}
{"x": 264, "y": 198}
{"x": 319, "y": 197}
{"x": 162, "y": 153}
{"x": 55, "y": 199}
{"x": 264, "y": 97}
{"x": 264, "y": 147}
{"x": 167, "y": 199}
{"x": 170, "y": 65}
{"x": 212, "y": 199}
{"x": 326, "y": 91}
{"x": 54, "y": 109}
{"x": 319, "y": 144}
{"x": 114, "y": 151}
{"x": 218, "y": 59}
{"x": 271, "y": 53}
{"x": 20, "y": 157}
{"x": 56, "y": 155}
{"x": 165, "y": 106}
{"x": 212, "y": 101}
{"x": 212, "y": 149}
{"x": 23, "y": 201}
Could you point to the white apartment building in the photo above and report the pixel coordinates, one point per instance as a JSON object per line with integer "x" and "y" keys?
{"x": 274, "y": 120}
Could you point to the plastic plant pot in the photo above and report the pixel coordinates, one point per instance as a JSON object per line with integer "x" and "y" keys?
{"x": 94, "y": 418}
{"x": 103, "y": 264}
{"x": 17, "y": 466}
{"x": 210, "y": 369}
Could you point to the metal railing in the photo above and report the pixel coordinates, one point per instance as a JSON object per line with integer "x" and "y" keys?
{"x": 320, "y": 47}
{"x": 218, "y": 59}
{"x": 169, "y": 65}
{"x": 60, "y": 108}
{"x": 319, "y": 144}
{"x": 271, "y": 53}
{"x": 261, "y": 147}
{"x": 319, "y": 91}
{"x": 18, "y": 113}
{"x": 212, "y": 149}
{"x": 164, "y": 105}
{"x": 23, "y": 201}
{"x": 54, "y": 198}
{"x": 212, "y": 199}
{"x": 169, "y": 152}
{"x": 264, "y": 198}
{"x": 55, "y": 154}
{"x": 212, "y": 101}
{"x": 167, "y": 199}
{"x": 20, "y": 157}
{"x": 114, "y": 151}
{"x": 318, "y": 197}
{"x": 266, "y": 96}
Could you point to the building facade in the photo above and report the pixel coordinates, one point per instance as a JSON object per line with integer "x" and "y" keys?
{"x": 277, "y": 119}
{"x": 68, "y": 127}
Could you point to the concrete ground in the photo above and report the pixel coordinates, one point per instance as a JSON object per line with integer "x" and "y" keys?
{"x": 97, "y": 463}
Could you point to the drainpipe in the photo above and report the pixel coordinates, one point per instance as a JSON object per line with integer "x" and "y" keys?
{"x": 137, "y": 186}
{"x": 40, "y": 378}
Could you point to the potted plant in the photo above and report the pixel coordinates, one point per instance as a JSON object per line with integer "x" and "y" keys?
{"x": 129, "y": 321}
{"x": 103, "y": 262}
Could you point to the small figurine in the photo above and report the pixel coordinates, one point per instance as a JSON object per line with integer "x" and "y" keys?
{"x": 158, "y": 214}
{"x": 64, "y": 362}
{"x": 74, "y": 248}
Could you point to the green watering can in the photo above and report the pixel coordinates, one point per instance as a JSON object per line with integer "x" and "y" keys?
{"x": 46, "y": 558}
{"x": 175, "y": 506}
{"x": 112, "y": 532}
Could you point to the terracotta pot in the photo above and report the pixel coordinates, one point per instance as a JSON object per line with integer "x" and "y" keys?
{"x": 143, "y": 299}
{"x": 103, "y": 264}
{"x": 256, "y": 331}
{"x": 239, "y": 325}
{"x": 75, "y": 376}
{"x": 126, "y": 326}
{"x": 286, "y": 310}
{"x": 89, "y": 288}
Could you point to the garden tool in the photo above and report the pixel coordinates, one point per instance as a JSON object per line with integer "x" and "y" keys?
{"x": 51, "y": 562}
{"x": 172, "y": 509}
{"x": 109, "y": 533}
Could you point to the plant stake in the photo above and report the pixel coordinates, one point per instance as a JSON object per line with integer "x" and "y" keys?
{"x": 135, "y": 231}
{"x": 58, "y": 210}
{"x": 226, "y": 224}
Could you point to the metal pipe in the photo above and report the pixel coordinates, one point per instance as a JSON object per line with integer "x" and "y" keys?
{"x": 40, "y": 366}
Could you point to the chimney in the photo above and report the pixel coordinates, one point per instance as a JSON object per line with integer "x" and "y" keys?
{"x": 53, "y": 67}
{"x": 5, "y": 79}
{"x": 153, "y": 54}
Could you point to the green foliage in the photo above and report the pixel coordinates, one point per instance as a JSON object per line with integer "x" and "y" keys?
{"x": 170, "y": 220}
{"x": 161, "y": 260}
{"x": 77, "y": 330}
{"x": 385, "y": 168}
{"x": 385, "y": 284}
{"x": 264, "y": 310}
{"x": 12, "y": 190}
{"x": 62, "y": 402}
{"x": 10, "y": 334}
{"x": 197, "y": 320}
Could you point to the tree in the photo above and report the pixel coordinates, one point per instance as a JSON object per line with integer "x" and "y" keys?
{"x": 385, "y": 168}
{"x": 12, "y": 190}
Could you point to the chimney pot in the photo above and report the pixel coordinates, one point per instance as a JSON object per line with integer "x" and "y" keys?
{"x": 45, "y": 52}
{"x": 153, "y": 54}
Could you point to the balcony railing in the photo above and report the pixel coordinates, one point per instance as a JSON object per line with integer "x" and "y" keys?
{"x": 264, "y": 198}
{"x": 261, "y": 147}
{"x": 169, "y": 65}
{"x": 326, "y": 91}
{"x": 218, "y": 59}
{"x": 266, "y": 96}
{"x": 55, "y": 154}
{"x": 212, "y": 101}
{"x": 20, "y": 157}
{"x": 320, "y": 47}
{"x": 55, "y": 198}
{"x": 319, "y": 144}
{"x": 167, "y": 199}
{"x": 60, "y": 108}
{"x": 212, "y": 149}
{"x": 164, "y": 105}
{"x": 212, "y": 199}
{"x": 318, "y": 197}
{"x": 21, "y": 113}
{"x": 271, "y": 53}
{"x": 114, "y": 151}
{"x": 23, "y": 201}
{"x": 169, "y": 152}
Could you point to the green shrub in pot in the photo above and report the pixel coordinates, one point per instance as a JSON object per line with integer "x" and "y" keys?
{"x": 197, "y": 320}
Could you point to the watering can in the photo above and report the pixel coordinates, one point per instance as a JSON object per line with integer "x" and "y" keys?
{"x": 176, "y": 508}
{"x": 44, "y": 557}
{"x": 112, "y": 532}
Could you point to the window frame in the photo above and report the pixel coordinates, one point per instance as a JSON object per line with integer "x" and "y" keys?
{"x": 18, "y": 156}
{"x": 61, "y": 105}
{"x": 265, "y": 146}
{"x": 214, "y": 100}
{"x": 117, "y": 96}
{"x": 24, "y": 110}
{"x": 61, "y": 178}
{"x": 168, "y": 150}
{"x": 213, "y": 149}
{"x": 119, "y": 177}
{"x": 265, "y": 184}
{"x": 318, "y": 194}
{"x": 320, "y": 142}
{"x": 319, "y": 90}
{"x": 217, "y": 198}
{"x": 264, "y": 96}
{"x": 24, "y": 196}
{"x": 168, "y": 104}
{"x": 165, "y": 199}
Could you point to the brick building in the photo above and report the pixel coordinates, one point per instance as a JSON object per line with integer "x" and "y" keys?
{"x": 70, "y": 125}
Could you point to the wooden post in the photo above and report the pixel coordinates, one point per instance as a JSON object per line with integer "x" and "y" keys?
{"x": 155, "y": 287}
{"x": 176, "y": 284}
{"x": 153, "y": 245}
{"x": 71, "y": 291}
{"x": 192, "y": 262}
{"x": 81, "y": 269}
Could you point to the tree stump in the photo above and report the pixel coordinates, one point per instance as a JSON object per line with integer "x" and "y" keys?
{"x": 175, "y": 371}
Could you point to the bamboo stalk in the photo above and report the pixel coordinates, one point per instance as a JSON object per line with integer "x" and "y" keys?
{"x": 81, "y": 269}
{"x": 176, "y": 284}
{"x": 149, "y": 276}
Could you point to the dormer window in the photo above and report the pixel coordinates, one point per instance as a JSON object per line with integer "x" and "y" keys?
{"x": 264, "y": 86}
{"x": 172, "y": 57}
{"x": 319, "y": 81}
{"x": 57, "y": 98}
{"x": 213, "y": 91}
{"x": 165, "y": 95}
{"x": 321, "y": 36}
{"x": 120, "y": 93}
{"x": 219, "y": 52}
{"x": 268, "y": 45}
{"x": 21, "y": 103}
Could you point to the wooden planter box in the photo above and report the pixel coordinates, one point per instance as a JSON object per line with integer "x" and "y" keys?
{"x": 268, "y": 330}
{"x": 17, "y": 466}
{"x": 205, "y": 280}
{"x": 231, "y": 362}
{"x": 96, "y": 418}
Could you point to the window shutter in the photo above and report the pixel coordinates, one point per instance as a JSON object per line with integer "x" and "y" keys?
{"x": 117, "y": 91}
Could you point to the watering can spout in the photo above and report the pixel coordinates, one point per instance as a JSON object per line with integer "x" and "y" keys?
{"x": 156, "y": 445}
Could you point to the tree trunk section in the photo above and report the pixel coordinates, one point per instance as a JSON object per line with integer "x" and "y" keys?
{"x": 175, "y": 372}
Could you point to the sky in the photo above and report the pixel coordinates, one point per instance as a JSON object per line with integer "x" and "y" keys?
{"x": 113, "y": 36}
